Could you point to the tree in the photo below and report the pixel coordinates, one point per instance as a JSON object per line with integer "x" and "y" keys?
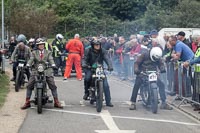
{"x": 31, "y": 21}
{"x": 186, "y": 14}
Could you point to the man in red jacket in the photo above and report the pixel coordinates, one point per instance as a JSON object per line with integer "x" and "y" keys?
{"x": 75, "y": 49}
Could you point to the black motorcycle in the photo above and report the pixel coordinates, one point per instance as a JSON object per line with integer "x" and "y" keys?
{"x": 149, "y": 90}
{"x": 96, "y": 87}
{"x": 20, "y": 75}
{"x": 41, "y": 97}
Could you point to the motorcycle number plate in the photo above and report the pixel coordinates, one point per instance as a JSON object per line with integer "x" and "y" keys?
{"x": 152, "y": 77}
{"x": 21, "y": 65}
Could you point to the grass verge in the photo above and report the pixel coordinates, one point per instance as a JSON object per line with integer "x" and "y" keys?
{"x": 4, "y": 88}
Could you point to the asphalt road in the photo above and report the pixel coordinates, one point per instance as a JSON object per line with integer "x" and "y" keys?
{"x": 79, "y": 116}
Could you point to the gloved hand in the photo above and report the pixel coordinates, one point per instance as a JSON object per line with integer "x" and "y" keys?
{"x": 86, "y": 66}
{"x": 54, "y": 66}
{"x": 27, "y": 66}
{"x": 137, "y": 72}
{"x": 110, "y": 69}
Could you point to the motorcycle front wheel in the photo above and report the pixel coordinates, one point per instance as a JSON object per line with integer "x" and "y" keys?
{"x": 144, "y": 93}
{"x": 39, "y": 101}
{"x": 99, "y": 97}
{"x": 18, "y": 81}
{"x": 154, "y": 101}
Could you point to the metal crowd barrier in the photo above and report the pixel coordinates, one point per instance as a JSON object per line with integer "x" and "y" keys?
{"x": 183, "y": 84}
{"x": 170, "y": 74}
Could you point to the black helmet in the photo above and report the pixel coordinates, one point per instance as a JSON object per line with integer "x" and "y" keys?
{"x": 95, "y": 41}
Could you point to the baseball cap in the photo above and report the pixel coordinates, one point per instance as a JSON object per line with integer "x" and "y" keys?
{"x": 154, "y": 32}
{"x": 181, "y": 33}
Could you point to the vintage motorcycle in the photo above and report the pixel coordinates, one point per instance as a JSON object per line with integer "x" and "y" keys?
{"x": 149, "y": 90}
{"x": 20, "y": 75}
{"x": 40, "y": 87}
{"x": 96, "y": 87}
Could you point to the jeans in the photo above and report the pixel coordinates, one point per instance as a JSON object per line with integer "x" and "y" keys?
{"x": 138, "y": 83}
{"x": 58, "y": 62}
{"x": 50, "y": 81}
{"x": 87, "y": 82}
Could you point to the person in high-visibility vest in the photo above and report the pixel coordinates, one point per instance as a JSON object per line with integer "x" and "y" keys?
{"x": 196, "y": 58}
{"x": 58, "y": 48}
{"x": 195, "y": 61}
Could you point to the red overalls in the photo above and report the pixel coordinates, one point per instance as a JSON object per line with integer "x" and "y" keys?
{"x": 76, "y": 51}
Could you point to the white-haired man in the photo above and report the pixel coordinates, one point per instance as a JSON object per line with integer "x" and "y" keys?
{"x": 75, "y": 49}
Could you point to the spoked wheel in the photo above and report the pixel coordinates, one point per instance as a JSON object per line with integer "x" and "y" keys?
{"x": 145, "y": 95}
{"x": 154, "y": 101}
{"x": 99, "y": 96}
{"x": 39, "y": 101}
{"x": 18, "y": 81}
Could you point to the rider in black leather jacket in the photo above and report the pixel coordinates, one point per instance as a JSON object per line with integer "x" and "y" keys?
{"x": 93, "y": 55}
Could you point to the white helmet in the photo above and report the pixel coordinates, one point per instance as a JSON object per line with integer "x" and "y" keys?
{"x": 40, "y": 41}
{"x": 31, "y": 40}
{"x": 59, "y": 36}
{"x": 155, "y": 53}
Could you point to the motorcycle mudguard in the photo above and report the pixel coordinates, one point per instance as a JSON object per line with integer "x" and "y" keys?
{"x": 153, "y": 85}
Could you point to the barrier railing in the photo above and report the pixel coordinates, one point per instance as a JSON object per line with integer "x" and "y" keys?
{"x": 170, "y": 74}
{"x": 183, "y": 84}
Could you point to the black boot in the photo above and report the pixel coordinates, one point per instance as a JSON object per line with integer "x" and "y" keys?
{"x": 85, "y": 97}
{"x": 109, "y": 104}
{"x": 12, "y": 79}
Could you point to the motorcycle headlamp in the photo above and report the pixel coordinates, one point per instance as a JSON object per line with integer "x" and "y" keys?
{"x": 40, "y": 68}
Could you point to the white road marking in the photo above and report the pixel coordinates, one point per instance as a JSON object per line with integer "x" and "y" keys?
{"x": 125, "y": 117}
{"x": 61, "y": 80}
{"x": 108, "y": 120}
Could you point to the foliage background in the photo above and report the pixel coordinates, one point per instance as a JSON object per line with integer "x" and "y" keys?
{"x": 94, "y": 17}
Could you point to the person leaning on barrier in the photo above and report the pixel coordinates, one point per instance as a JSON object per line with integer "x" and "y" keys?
{"x": 38, "y": 55}
{"x": 180, "y": 50}
{"x": 193, "y": 61}
{"x": 150, "y": 60}
{"x": 196, "y": 58}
